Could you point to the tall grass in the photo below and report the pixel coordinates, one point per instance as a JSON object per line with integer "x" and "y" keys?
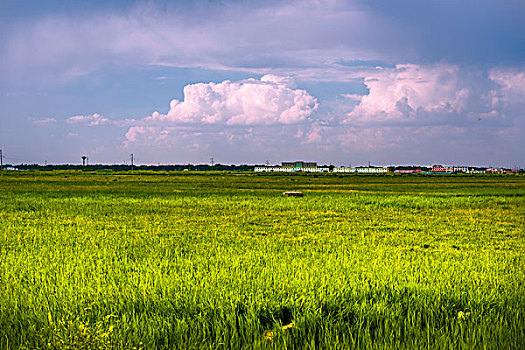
{"x": 176, "y": 260}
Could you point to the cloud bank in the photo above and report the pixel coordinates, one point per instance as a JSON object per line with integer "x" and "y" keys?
{"x": 440, "y": 110}
{"x": 409, "y": 108}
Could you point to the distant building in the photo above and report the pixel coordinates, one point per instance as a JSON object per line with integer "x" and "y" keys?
{"x": 273, "y": 169}
{"x": 299, "y": 165}
{"x": 10, "y": 168}
{"x": 461, "y": 169}
{"x": 512, "y": 171}
{"x": 362, "y": 170}
{"x": 290, "y": 167}
{"x": 311, "y": 167}
{"x": 315, "y": 170}
{"x": 494, "y": 171}
{"x": 408, "y": 171}
{"x": 372, "y": 170}
{"x": 343, "y": 169}
{"x": 441, "y": 169}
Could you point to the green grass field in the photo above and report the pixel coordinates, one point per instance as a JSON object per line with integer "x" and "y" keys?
{"x": 202, "y": 260}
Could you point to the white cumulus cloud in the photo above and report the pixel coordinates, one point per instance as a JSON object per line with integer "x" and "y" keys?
{"x": 268, "y": 101}
{"x": 404, "y": 92}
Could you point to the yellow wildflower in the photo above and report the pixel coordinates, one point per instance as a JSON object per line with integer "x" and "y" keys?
{"x": 289, "y": 326}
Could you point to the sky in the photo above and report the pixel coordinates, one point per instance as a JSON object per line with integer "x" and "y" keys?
{"x": 248, "y": 82}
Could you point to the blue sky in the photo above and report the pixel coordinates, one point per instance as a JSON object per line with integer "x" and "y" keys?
{"x": 341, "y": 82}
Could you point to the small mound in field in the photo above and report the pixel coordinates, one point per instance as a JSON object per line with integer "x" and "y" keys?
{"x": 293, "y": 194}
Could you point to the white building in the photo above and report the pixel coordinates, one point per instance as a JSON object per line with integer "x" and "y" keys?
{"x": 290, "y": 167}
{"x": 343, "y": 169}
{"x": 461, "y": 169}
{"x": 289, "y": 170}
{"x": 270, "y": 169}
{"x": 372, "y": 170}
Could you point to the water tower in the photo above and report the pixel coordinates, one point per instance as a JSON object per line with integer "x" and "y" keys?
{"x": 84, "y": 160}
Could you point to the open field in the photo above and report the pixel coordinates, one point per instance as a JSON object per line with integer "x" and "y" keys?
{"x": 201, "y": 260}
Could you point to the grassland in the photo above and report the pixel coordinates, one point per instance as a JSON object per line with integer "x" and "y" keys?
{"x": 202, "y": 260}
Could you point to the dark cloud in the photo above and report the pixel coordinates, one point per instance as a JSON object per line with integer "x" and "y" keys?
{"x": 481, "y": 32}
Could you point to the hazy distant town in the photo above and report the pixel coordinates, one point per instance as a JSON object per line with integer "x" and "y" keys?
{"x": 285, "y": 167}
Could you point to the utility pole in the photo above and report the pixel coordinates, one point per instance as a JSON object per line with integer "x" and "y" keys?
{"x": 1, "y": 160}
{"x": 131, "y": 161}
{"x": 212, "y": 163}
